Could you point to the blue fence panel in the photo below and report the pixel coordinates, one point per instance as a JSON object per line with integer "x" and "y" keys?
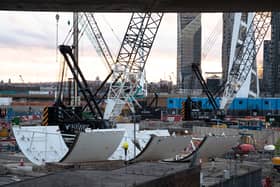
{"x": 269, "y": 104}
{"x": 174, "y": 103}
{"x": 171, "y": 103}
{"x": 278, "y": 104}
{"x": 255, "y": 104}
{"x": 240, "y": 104}
{"x": 206, "y": 105}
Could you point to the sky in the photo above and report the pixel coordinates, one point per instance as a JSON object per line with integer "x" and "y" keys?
{"x": 28, "y": 45}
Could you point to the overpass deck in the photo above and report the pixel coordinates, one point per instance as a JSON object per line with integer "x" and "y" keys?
{"x": 140, "y": 5}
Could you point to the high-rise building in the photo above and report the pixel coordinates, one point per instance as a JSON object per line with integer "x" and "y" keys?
{"x": 228, "y": 19}
{"x": 275, "y": 53}
{"x": 267, "y": 83}
{"x": 271, "y": 59}
{"x": 188, "y": 52}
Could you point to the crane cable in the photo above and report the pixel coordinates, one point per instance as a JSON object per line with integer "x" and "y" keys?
{"x": 211, "y": 39}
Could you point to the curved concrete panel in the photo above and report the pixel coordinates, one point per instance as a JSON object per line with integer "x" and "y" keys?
{"x": 191, "y": 155}
{"x": 40, "y": 144}
{"x": 94, "y": 145}
{"x": 164, "y": 147}
{"x": 217, "y": 146}
{"x": 213, "y": 146}
{"x": 142, "y": 138}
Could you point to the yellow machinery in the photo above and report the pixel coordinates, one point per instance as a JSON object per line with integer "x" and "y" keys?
{"x": 4, "y": 132}
{"x": 219, "y": 126}
{"x": 247, "y": 138}
{"x": 276, "y": 163}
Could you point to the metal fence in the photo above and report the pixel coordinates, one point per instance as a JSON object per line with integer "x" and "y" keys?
{"x": 252, "y": 179}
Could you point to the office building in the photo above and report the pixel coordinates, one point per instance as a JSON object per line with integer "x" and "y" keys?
{"x": 188, "y": 52}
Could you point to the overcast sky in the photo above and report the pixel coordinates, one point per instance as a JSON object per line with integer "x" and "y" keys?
{"x": 28, "y": 41}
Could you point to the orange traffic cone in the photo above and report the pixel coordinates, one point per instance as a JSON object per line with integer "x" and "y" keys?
{"x": 21, "y": 162}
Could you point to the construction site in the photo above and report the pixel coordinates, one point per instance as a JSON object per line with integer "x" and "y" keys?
{"x": 124, "y": 131}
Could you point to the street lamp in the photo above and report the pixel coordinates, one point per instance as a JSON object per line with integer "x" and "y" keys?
{"x": 57, "y": 19}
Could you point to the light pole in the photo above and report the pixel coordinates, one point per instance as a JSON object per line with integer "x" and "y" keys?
{"x": 57, "y": 19}
{"x": 76, "y": 51}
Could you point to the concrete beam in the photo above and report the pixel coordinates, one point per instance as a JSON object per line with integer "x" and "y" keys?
{"x": 139, "y": 5}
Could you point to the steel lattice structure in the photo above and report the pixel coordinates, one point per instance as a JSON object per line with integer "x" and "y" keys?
{"x": 131, "y": 60}
{"x": 245, "y": 57}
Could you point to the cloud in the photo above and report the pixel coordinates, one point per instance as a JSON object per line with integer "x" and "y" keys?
{"x": 21, "y": 38}
{"x": 24, "y": 29}
{"x": 28, "y": 38}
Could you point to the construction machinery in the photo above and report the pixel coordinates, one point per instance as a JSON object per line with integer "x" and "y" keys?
{"x": 127, "y": 76}
{"x": 249, "y": 31}
{"x": 276, "y": 163}
{"x": 71, "y": 119}
{"x": 193, "y": 110}
{"x": 130, "y": 61}
{"x": 149, "y": 110}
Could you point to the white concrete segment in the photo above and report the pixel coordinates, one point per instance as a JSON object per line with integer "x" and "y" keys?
{"x": 142, "y": 138}
{"x": 94, "y": 145}
{"x": 214, "y": 146}
{"x": 163, "y": 147}
{"x": 40, "y": 144}
{"x": 217, "y": 146}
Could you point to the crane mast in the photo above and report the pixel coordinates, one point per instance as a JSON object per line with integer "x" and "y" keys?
{"x": 245, "y": 57}
{"x": 130, "y": 62}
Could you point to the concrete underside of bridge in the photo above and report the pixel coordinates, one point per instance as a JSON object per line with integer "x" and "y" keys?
{"x": 140, "y": 5}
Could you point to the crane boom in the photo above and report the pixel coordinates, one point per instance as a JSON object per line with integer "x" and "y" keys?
{"x": 66, "y": 51}
{"x": 195, "y": 68}
{"x": 88, "y": 25}
{"x": 245, "y": 57}
{"x": 131, "y": 60}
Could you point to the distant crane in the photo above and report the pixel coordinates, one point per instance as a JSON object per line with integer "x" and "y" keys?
{"x": 20, "y": 76}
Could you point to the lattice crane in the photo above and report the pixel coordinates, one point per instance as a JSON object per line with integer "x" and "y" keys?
{"x": 128, "y": 69}
{"x": 94, "y": 34}
{"x": 245, "y": 56}
{"x": 130, "y": 62}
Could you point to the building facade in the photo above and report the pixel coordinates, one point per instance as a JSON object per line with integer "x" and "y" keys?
{"x": 228, "y": 19}
{"x": 188, "y": 52}
{"x": 275, "y": 53}
{"x": 271, "y": 60}
{"x": 267, "y": 83}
